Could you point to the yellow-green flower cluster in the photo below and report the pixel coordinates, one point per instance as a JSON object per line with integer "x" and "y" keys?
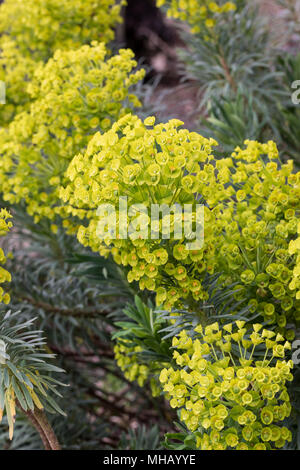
{"x": 197, "y": 13}
{"x": 231, "y": 403}
{"x": 127, "y": 359}
{"x": 294, "y": 249}
{"x": 149, "y": 164}
{"x": 15, "y": 71}
{"x": 39, "y": 27}
{"x": 76, "y": 94}
{"x": 259, "y": 220}
{"x": 32, "y": 31}
{"x": 5, "y": 226}
{"x": 251, "y": 215}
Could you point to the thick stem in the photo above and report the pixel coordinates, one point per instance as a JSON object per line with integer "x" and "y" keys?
{"x": 37, "y": 426}
{"x": 47, "y": 429}
{"x": 39, "y": 420}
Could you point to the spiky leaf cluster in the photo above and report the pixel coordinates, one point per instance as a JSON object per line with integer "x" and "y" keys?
{"x": 239, "y": 59}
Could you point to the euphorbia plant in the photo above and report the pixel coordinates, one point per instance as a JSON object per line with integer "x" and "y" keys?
{"x": 250, "y": 242}
{"x": 32, "y": 31}
{"x": 76, "y": 94}
{"x": 200, "y": 14}
{"x": 228, "y": 401}
{"x": 251, "y": 207}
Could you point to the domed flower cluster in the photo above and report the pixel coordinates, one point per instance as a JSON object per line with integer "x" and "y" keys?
{"x": 197, "y": 13}
{"x": 127, "y": 359}
{"x": 39, "y": 27}
{"x": 231, "y": 403}
{"x": 5, "y": 226}
{"x": 294, "y": 249}
{"x": 149, "y": 165}
{"x": 76, "y": 94}
{"x": 32, "y": 31}
{"x": 252, "y": 205}
{"x": 259, "y": 220}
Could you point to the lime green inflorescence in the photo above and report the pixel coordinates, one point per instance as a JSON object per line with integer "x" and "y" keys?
{"x": 75, "y": 94}
{"x": 259, "y": 223}
{"x": 197, "y": 13}
{"x": 70, "y": 144}
{"x": 227, "y": 403}
{"x": 127, "y": 359}
{"x": 149, "y": 165}
{"x": 32, "y": 31}
{"x": 252, "y": 205}
{"x": 294, "y": 249}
